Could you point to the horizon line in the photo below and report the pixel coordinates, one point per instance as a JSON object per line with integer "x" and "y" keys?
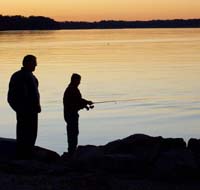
{"x": 117, "y": 20}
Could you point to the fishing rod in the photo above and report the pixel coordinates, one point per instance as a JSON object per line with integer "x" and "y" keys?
{"x": 103, "y": 102}
{"x": 115, "y": 101}
{"x": 120, "y": 100}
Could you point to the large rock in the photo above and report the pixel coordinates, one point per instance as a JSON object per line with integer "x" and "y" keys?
{"x": 144, "y": 147}
{"x": 8, "y": 151}
{"x": 132, "y": 144}
{"x": 87, "y": 157}
{"x": 175, "y": 164}
{"x": 44, "y": 154}
{"x": 172, "y": 144}
{"x": 194, "y": 147}
{"x": 125, "y": 163}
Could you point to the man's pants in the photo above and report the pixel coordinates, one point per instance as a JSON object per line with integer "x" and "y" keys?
{"x": 27, "y": 126}
{"x": 72, "y": 132}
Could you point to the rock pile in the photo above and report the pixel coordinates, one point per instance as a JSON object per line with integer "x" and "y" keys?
{"x": 143, "y": 156}
{"x": 139, "y": 155}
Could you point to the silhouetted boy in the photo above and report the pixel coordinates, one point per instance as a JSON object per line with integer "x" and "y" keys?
{"x": 73, "y": 102}
{"x": 24, "y": 98}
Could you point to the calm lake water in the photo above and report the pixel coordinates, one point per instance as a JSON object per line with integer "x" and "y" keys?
{"x": 158, "y": 70}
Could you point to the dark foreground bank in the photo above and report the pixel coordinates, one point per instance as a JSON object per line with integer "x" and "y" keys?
{"x": 136, "y": 162}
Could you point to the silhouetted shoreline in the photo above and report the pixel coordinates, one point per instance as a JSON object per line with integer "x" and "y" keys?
{"x": 44, "y": 23}
{"x": 138, "y": 161}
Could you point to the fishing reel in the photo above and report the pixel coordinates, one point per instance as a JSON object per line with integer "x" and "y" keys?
{"x": 89, "y": 107}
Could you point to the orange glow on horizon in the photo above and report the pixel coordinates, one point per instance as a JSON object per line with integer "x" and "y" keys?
{"x": 96, "y": 10}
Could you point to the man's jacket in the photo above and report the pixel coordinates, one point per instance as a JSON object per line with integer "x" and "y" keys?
{"x": 23, "y": 94}
{"x": 73, "y": 100}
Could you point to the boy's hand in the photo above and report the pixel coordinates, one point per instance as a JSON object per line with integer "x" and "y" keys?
{"x": 90, "y": 102}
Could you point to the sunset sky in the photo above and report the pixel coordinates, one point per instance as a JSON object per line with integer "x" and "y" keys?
{"x": 95, "y": 10}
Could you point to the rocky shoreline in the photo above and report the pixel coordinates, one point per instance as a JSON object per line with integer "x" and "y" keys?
{"x": 135, "y": 162}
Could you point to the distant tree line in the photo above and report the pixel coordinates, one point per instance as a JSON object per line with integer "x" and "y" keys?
{"x": 27, "y": 23}
{"x": 44, "y": 23}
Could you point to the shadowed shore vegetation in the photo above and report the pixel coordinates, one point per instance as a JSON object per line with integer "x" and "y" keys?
{"x": 44, "y": 23}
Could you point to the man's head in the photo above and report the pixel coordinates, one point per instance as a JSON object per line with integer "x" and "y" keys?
{"x": 75, "y": 79}
{"x": 30, "y": 62}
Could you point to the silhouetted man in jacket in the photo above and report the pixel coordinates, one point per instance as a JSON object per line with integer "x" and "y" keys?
{"x": 24, "y": 98}
{"x": 73, "y": 102}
